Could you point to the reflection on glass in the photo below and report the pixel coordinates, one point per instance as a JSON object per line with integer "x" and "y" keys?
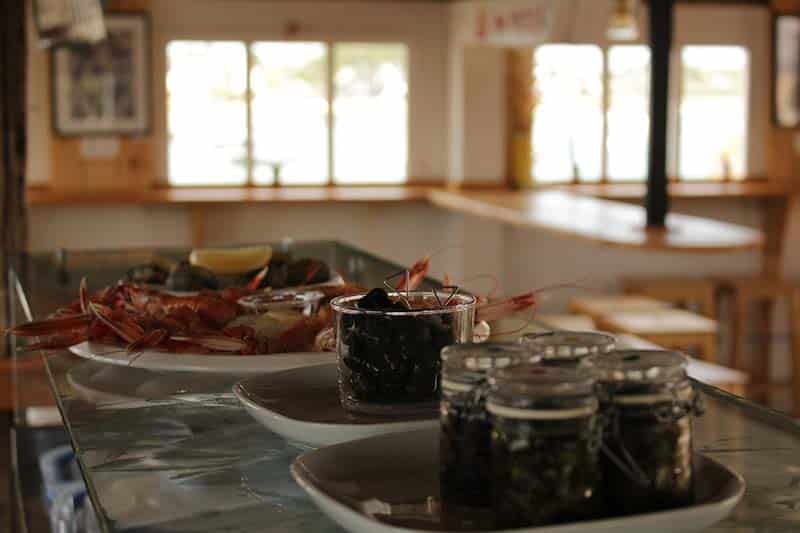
{"x": 289, "y": 112}
{"x": 713, "y": 113}
{"x": 627, "y": 113}
{"x": 206, "y": 112}
{"x": 370, "y": 113}
{"x": 568, "y": 113}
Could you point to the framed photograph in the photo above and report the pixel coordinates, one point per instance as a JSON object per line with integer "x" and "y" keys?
{"x": 786, "y": 71}
{"x": 103, "y": 89}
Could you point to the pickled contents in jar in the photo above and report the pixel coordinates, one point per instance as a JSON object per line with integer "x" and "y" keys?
{"x": 393, "y": 359}
{"x": 465, "y": 438}
{"x": 545, "y": 471}
{"x": 464, "y": 468}
{"x": 662, "y": 450}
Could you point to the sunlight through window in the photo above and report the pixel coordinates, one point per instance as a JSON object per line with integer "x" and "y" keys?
{"x": 713, "y": 112}
{"x": 628, "y": 112}
{"x": 370, "y": 113}
{"x": 281, "y": 131}
{"x": 290, "y": 113}
{"x": 207, "y": 112}
{"x": 568, "y": 113}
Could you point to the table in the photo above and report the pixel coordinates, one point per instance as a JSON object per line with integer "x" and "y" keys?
{"x": 164, "y": 453}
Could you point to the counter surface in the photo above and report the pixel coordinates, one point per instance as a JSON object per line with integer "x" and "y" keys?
{"x": 161, "y": 452}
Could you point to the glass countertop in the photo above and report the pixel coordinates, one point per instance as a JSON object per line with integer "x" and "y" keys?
{"x": 175, "y": 452}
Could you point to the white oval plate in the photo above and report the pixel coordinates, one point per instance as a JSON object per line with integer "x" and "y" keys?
{"x": 395, "y": 475}
{"x": 186, "y": 362}
{"x": 302, "y": 405}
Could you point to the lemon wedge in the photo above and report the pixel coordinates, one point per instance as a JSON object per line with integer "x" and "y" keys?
{"x": 231, "y": 260}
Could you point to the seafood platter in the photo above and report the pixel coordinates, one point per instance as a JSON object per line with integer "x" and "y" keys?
{"x": 197, "y": 313}
{"x": 409, "y": 420}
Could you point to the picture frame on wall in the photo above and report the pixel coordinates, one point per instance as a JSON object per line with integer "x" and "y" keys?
{"x": 103, "y": 88}
{"x": 786, "y": 71}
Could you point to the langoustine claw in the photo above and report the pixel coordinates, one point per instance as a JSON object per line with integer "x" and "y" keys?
{"x": 496, "y": 310}
{"x": 415, "y": 275}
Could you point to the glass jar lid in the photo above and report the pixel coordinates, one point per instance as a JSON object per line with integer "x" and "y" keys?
{"x": 542, "y": 392}
{"x": 641, "y": 367}
{"x": 466, "y": 365}
{"x": 568, "y": 345}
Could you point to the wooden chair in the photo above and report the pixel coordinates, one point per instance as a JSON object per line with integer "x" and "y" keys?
{"x": 597, "y": 306}
{"x": 762, "y": 294}
{"x": 795, "y": 327}
{"x": 673, "y": 329}
{"x": 692, "y": 294}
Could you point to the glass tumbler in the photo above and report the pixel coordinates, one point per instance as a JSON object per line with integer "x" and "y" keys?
{"x": 389, "y": 362}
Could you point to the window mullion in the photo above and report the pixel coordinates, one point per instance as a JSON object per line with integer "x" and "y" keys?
{"x": 330, "y": 90}
{"x": 677, "y": 89}
{"x": 249, "y": 113}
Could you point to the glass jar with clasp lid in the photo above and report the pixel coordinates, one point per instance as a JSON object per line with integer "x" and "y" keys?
{"x": 464, "y": 471}
{"x": 648, "y": 403}
{"x": 546, "y": 435}
{"x": 568, "y": 348}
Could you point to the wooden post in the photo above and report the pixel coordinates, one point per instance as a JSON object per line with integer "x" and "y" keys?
{"x": 519, "y": 102}
{"x": 776, "y": 218}
{"x": 657, "y": 201}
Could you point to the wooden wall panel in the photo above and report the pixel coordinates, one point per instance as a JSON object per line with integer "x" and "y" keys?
{"x": 519, "y": 108}
{"x": 133, "y": 167}
{"x": 783, "y": 160}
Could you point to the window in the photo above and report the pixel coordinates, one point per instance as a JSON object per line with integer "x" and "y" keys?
{"x": 628, "y": 112}
{"x": 591, "y": 113}
{"x": 207, "y": 113}
{"x": 370, "y": 113}
{"x": 568, "y": 113}
{"x": 286, "y": 113}
{"x": 713, "y": 112}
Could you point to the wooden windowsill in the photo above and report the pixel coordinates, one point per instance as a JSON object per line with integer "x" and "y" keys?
{"x": 228, "y": 195}
{"x": 730, "y": 189}
{"x": 38, "y": 195}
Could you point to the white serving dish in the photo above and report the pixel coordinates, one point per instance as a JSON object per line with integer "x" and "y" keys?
{"x": 302, "y": 405}
{"x": 353, "y": 481}
{"x": 187, "y": 362}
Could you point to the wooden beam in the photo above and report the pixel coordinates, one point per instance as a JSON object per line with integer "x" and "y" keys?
{"x": 657, "y": 199}
{"x": 776, "y": 217}
{"x": 519, "y": 102}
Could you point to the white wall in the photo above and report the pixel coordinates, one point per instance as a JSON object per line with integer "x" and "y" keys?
{"x": 462, "y": 246}
{"x": 457, "y": 124}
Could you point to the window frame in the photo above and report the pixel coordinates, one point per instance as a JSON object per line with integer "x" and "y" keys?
{"x": 676, "y": 92}
{"x": 330, "y": 87}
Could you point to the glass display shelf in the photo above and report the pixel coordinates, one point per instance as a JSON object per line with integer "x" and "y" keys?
{"x": 170, "y": 452}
